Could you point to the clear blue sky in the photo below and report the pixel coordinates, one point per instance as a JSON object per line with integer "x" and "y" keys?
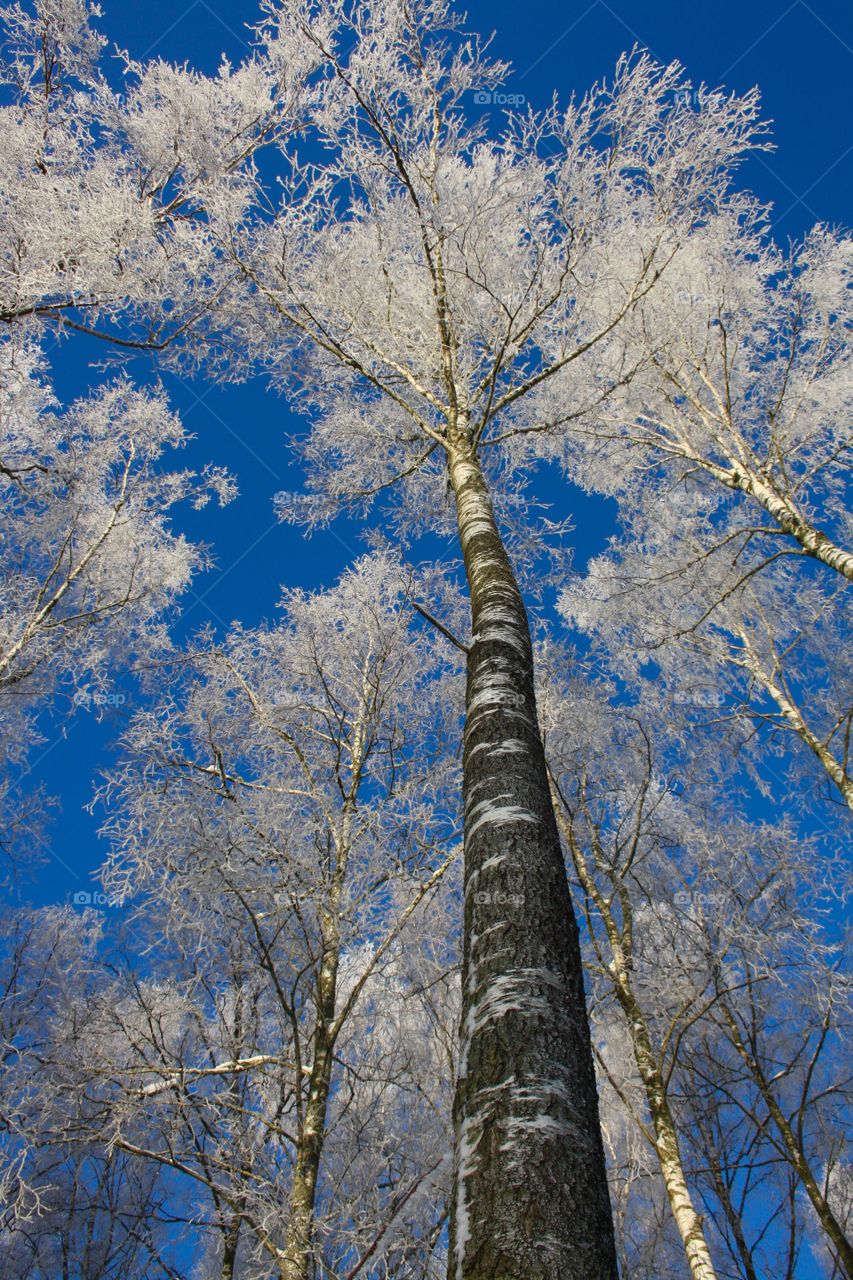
{"x": 799, "y": 54}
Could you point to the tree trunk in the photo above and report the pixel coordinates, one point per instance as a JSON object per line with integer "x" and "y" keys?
{"x": 792, "y": 714}
{"x": 296, "y": 1261}
{"x": 230, "y": 1244}
{"x": 666, "y": 1146}
{"x": 814, "y": 542}
{"x": 687, "y": 1220}
{"x": 840, "y": 1245}
{"x": 530, "y": 1198}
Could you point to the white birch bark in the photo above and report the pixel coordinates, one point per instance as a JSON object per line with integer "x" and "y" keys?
{"x": 793, "y": 716}
{"x": 666, "y": 1144}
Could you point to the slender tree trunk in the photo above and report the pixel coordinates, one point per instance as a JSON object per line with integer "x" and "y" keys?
{"x": 687, "y": 1220}
{"x": 781, "y": 508}
{"x": 841, "y": 1246}
{"x": 230, "y": 1244}
{"x": 666, "y": 1145}
{"x": 296, "y": 1262}
{"x": 530, "y": 1197}
{"x": 790, "y": 521}
{"x": 792, "y": 714}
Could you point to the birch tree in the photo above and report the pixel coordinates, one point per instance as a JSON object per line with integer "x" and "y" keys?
{"x": 614, "y": 827}
{"x": 285, "y": 821}
{"x": 418, "y": 284}
{"x": 37, "y": 949}
{"x": 67, "y": 1208}
{"x": 692, "y": 913}
{"x": 743, "y": 359}
{"x": 648, "y": 1244}
{"x": 784, "y": 1048}
{"x": 729, "y": 456}
{"x": 687, "y": 599}
{"x": 102, "y": 211}
{"x": 429, "y": 281}
{"x": 89, "y": 562}
{"x": 86, "y": 523}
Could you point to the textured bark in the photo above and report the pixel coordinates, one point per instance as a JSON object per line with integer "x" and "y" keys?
{"x": 666, "y": 1142}
{"x": 781, "y": 508}
{"x": 790, "y": 521}
{"x": 530, "y": 1197}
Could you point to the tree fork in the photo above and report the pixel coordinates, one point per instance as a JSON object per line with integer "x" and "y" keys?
{"x": 530, "y": 1198}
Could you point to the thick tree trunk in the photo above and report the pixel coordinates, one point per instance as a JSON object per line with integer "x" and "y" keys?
{"x": 530, "y": 1195}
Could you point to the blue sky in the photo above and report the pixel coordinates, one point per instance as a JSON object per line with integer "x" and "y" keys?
{"x": 799, "y": 54}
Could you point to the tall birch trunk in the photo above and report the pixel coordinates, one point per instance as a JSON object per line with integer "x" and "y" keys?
{"x": 530, "y": 1199}
{"x": 666, "y": 1144}
{"x": 296, "y": 1262}
{"x": 687, "y": 1220}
